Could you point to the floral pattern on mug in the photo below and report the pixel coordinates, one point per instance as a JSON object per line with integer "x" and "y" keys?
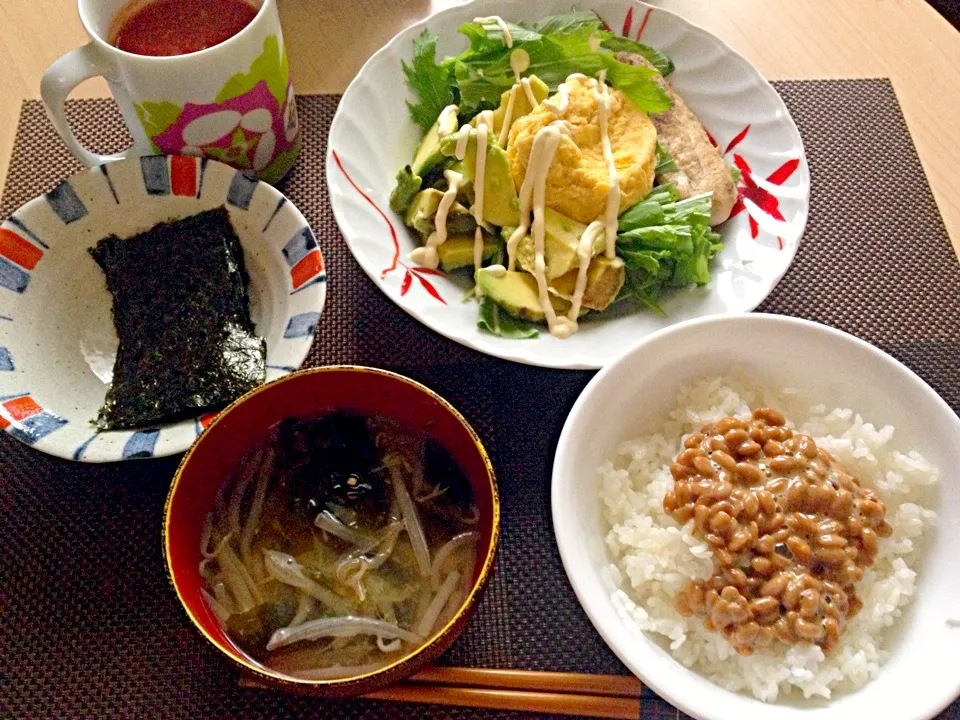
{"x": 251, "y": 125}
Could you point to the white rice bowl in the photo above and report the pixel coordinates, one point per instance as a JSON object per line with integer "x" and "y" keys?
{"x": 653, "y": 557}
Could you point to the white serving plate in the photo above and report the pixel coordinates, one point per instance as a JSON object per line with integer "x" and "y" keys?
{"x": 634, "y": 394}
{"x": 57, "y": 338}
{"x": 372, "y": 137}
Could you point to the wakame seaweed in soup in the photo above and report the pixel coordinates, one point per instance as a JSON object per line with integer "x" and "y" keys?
{"x": 181, "y": 312}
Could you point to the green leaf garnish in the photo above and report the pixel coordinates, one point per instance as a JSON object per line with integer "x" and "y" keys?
{"x": 494, "y": 320}
{"x": 431, "y": 82}
{"x": 661, "y": 62}
{"x": 665, "y": 162}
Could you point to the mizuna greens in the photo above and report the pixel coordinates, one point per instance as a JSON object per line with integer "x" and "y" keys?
{"x": 666, "y": 243}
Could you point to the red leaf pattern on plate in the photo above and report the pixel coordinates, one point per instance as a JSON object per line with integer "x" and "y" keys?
{"x": 395, "y": 263}
{"x": 762, "y": 198}
{"x": 393, "y": 230}
{"x": 742, "y": 165}
{"x": 782, "y": 173}
{"x": 747, "y": 188}
{"x": 430, "y": 289}
{"x": 627, "y": 23}
{"x": 737, "y": 139}
{"x": 643, "y": 23}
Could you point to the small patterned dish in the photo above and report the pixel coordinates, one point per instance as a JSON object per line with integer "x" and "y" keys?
{"x": 57, "y": 339}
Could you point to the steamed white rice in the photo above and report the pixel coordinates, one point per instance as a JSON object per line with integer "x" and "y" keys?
{"x": 654, "y": 557}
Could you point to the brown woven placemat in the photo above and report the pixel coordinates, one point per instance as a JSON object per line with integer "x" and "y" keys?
{"x": 89, "y": 627}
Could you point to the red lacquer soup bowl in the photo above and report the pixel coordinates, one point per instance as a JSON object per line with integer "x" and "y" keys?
{"x": 312, "y": 393}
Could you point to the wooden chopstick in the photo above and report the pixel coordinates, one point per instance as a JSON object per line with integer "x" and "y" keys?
{"x": 601, "y": 696}
{"x": 625, "y": 686}
{"x": 598, "y": 706}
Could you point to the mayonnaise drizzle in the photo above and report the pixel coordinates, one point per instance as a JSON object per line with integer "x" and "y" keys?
{"x": 584, "y": 255}
{"x": 485, "y": 118}
{"x": 479, "y": 182}
{"x": 427, "y": 255}
{"x": 533, "y": 198}
{"x": 508, "y": 113}
{"x": 559, "y": 104}
{"x": 507, "y": 117}
{"x": 531, "y": 98}
{"x": 478, "y": 250}
{"x": 463, "y": 138}
{"x": 497, "y": 20}
{"x": 445, "y": 115}
{"x": 519, "y": 61}
{"x": 480, "y": 175}
{"x": 496, "y": 270}
{"x": 613, "y": 196}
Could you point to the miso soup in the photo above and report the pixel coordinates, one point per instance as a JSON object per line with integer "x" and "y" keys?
{"x": 339, "y": 545}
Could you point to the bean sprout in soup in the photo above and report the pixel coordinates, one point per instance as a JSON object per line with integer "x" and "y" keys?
{"x": 339, "y": 546}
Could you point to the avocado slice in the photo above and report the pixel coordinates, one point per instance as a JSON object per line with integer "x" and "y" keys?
{"x": 424, "y": 205}
{"x": 521, "y": 105}
{"x": 605, "y": 277}
{"x": 516, "y": 292}
{"x": 428, "y": 160}
{"x": 500, "y": 203}
{"x": 408, "y": 185}
{"x": 560, "y": 241}
{"x": 428, "y": 153}
{"x": 457, "y": 251}
{"x": 422, "y": 213}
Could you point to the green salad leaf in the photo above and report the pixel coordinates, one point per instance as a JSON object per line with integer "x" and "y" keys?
{"x": 494, "y": 320}
{"x": 734, "y": 173}
{"x": 487, "y": 34}
{"x": 666, "y": 243}
{"x": 650, "y": 210}
{"x": 665, "y": 162}
{"x": 482, "y": 76}
{"x": 558, "y": 46}
{"x": 432, "y": 83}
{"x": 567, "y": 22}
{"x": 636, "y": 82}
{"x": 661, "y": 62}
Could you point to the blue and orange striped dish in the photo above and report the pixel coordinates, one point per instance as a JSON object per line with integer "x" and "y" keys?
{"x": 57, "y": 339}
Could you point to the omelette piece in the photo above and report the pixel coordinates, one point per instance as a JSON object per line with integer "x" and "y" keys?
{"x": 578, "y": 181}
{"x": 700, "y": 166}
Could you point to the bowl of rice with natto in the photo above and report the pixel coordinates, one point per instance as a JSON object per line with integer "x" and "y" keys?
{"x": 645, "y": 560}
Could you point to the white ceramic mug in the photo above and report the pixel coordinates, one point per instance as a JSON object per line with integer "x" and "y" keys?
{"x": 232, "y": 102}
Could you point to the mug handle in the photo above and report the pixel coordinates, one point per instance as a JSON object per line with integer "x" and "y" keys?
{"x": 63, "y": 76}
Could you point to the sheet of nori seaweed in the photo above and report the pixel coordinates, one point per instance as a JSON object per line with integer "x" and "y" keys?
{"x": 181, "y": 311}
